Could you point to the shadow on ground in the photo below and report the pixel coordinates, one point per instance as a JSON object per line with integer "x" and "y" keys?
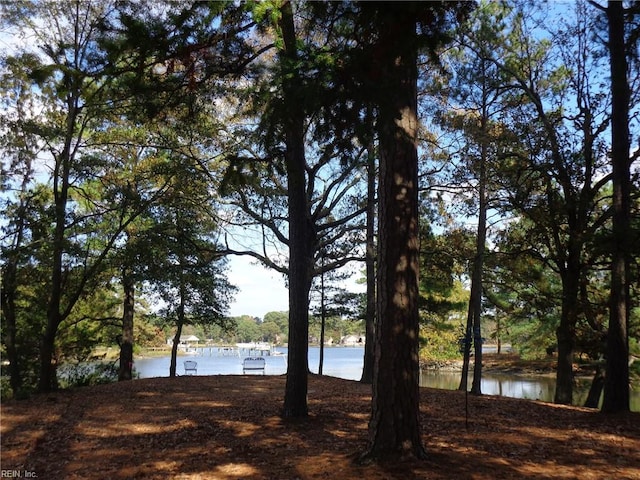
{"x": 228, "y": 427}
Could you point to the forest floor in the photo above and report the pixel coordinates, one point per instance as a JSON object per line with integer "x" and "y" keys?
{"x": 229, "y": 427}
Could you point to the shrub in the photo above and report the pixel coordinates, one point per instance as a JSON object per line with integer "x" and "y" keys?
{"x": 86, "y": 374}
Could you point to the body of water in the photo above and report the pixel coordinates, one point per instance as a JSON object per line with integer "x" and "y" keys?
{"x": 342, "y": 362}
{"x": 346, "y": 362}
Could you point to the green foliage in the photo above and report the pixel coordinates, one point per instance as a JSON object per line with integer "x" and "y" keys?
{"x": 440, "y": 328}
{"x": 443, "y": 297}
{"x": 531, "y": 339}
{"x": 5, "y": 388}
{"x": 439, "y": 339}
{"x": 271, "y": 332}
{"x": 247, "y": 329}
{"x": 335, "y": 328}
{"x": 87, "y": 374}
{"x": 273, "y": 329}
{"x": 444, "y": 258}
{"x": 241, "y": 329}
{"x": 146, "y": 334}
{"x": 95, "y": 321}
{"x": 265, "y": 11}
{"x": 281, "y": 319}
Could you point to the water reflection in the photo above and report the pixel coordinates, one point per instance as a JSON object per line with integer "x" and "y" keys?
{"x": 541, "y": 388}
{"x": 532, "y": 388}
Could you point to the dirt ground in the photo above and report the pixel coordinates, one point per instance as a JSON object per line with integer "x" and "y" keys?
{"x": 228, "y": 427}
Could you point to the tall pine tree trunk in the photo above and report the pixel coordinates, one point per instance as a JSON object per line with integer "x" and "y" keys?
{"x": 473, "y": 333}
{"x": 370, "y": 266}
{"x": 173, "y": 364}
{"x": 476, "y": 300}
{"x": 466, "y": 352}
{"x": 394, "y": 427}
{"x": 595, "y": 391}
{"x": 481, "y": 240}
{"x": 125, "y": 371}
{"x": 322, "y": 321}
{"x": 9, "y": 286}
{"x": 48, "y": 380}
{"x": 300, "y": 228}
{"x": 179, "y": 321}
{"x": 616, "y": 386}
{"x": 566, "y": 332}
{"x": 10, "y": 339}
{"x": 8, "y": 294}
{"x": 474, "y": 313}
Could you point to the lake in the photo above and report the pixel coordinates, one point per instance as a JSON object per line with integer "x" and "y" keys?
{"x": 346, "y": 362}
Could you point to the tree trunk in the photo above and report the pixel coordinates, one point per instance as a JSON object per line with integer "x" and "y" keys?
{"x": 566, "y": 332}
{"x": 593, "y": 398}
{"x": 370, "y": 266}
{"x": 474, "y": 314}
{"x": 47, "y": 381}
{"x": 481, "y": 239}
{"x": 300, "y": 229}
{"x": 394, "y": 427}
{"x": 616, "y": 386}
{"x": 322, "y": 323}
{"x": 125, "y": 371}
{"x": 179, "y": 325}
{"x": 466, "y": 349}
{"x": 8, "y": 294}
{"x": 10, "y": 340}
{"x": 61, "y": 178}
{"x": 477, "y": 340}
{"x": 174, "y": 350}
{"x": 498, "y": 333}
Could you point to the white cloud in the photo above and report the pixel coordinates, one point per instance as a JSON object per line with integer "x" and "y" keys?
{"x": 260, "y": 290}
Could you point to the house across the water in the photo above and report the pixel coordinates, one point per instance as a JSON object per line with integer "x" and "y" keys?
{"x": 186, "y": 342}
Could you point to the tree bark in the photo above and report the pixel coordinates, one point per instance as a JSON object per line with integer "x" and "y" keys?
{"x": 474, "y": 315}
{"x": 61, "y": 174}
{"x": 616, "y": 386}
{"x": 394, "y": 427}
{"x": 10, "y": 338}
{"x": 174, "y": 351}
{"x": 478, "y": 267}
{"x": 370, "y": 266}
{"x": 322, "y": 322}
{"x": 593, "y": 397}
{"x": 8, "y": 294}
{"x": 179, "y": 324}
{"x": 473, "y": 329}
{"x": 48, "y": 380}
{"x": 566, "y": 332}
{"x": 301, "y": 236}
{"x": 466, "y": 349}
{"x": 125, "y": 371}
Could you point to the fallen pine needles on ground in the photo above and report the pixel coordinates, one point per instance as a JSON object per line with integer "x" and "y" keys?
{"x": 228, "y": 427}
